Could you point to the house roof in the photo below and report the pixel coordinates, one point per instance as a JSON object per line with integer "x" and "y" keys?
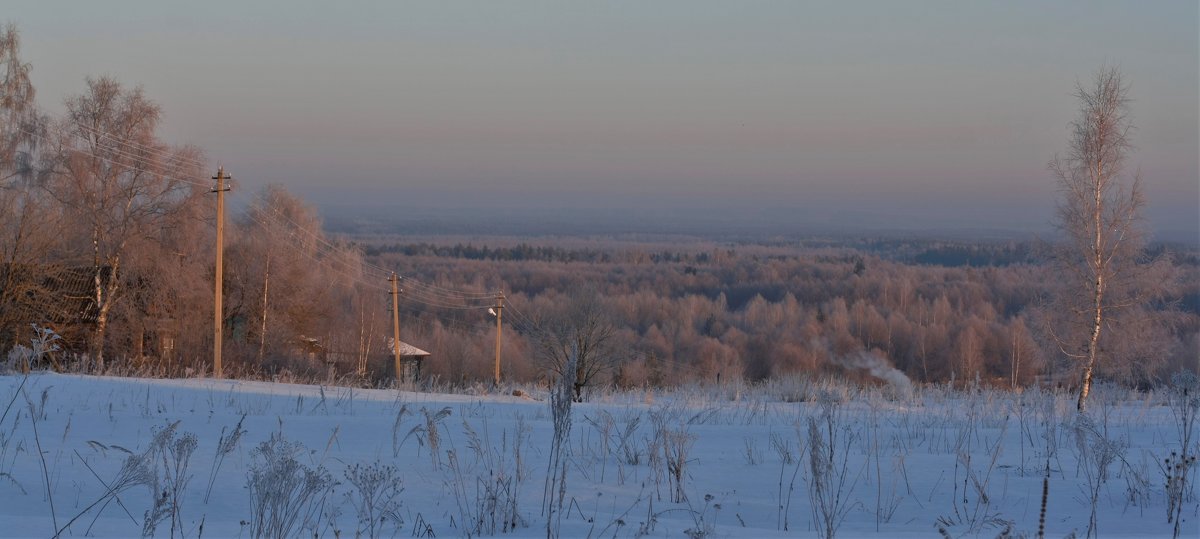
{"x": 53, "y": 293}
{"x": 405, "y": 349}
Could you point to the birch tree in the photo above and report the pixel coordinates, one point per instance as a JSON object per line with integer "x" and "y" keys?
{"x": 118, "y": 183}
{"x": 1099, "y": 215}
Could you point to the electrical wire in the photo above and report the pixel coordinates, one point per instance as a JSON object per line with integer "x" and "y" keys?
{"x": 142, "y": 154}
{"x": 104, "y": 134}
{"x": 111, "y": 162}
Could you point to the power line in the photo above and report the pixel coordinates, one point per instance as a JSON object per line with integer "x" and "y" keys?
{"x": 114, "y": 163}
{"x": 345, "y": 272}
{"x": 438, "y": 289}
{"x": 103, "y": 134}
{"x": 163, "y": 153}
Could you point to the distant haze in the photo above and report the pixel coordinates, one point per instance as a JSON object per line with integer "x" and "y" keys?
{"x": 907, "y": 115}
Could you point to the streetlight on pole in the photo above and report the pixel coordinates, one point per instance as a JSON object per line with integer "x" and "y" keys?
{"x": 497, "y": 311}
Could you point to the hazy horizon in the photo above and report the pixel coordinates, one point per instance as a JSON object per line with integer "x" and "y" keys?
{"x": 893, "y": 115}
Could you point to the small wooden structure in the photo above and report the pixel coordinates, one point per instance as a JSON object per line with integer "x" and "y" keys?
{"x": 411, "y": 359}
{"x": 311, "y": 349}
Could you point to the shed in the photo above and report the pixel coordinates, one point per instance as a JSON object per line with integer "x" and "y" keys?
{"x": 411, "y": 359}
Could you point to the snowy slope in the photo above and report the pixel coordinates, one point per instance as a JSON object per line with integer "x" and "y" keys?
{"x": 971, "y": 464}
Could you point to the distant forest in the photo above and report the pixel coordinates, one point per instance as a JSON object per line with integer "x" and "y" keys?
{"x": 932, "y": 253}
{"x": 698, "y": 311}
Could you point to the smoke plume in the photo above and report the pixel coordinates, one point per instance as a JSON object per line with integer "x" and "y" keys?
{"x": 877, "y": 365}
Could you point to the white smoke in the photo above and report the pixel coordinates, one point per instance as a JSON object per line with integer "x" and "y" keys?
{"x": 877, "y": 365}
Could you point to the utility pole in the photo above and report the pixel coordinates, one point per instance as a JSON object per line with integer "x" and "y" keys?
{"x": 218, "y": 322}
{"x": 396, "y": 324}
{"x": 499, "y": 311}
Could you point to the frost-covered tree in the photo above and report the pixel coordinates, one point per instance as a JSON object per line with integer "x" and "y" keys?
{"x": 1100, "y": 215}
{"x": 19, "y": 122}
{"x": 286, "y": 280}
{"x": 25, "y": 234}
{"x": 118, "y": 185}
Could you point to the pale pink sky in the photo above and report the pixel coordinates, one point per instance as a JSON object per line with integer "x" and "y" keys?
{"x": 922, "y": 112}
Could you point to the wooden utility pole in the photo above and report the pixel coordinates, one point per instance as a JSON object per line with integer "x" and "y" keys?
{"x": 218, "y": 322}
{"x": 396, "y": 324}
{"x": 499, "y": 311}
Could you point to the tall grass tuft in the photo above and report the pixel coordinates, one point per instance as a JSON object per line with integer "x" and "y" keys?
{"x": 429, "y": 432}
{"x": 226, "y": 444}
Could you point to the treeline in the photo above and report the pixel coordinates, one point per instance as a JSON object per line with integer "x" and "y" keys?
{"x": 977, "y": 255}
{"x": 759, "y": 312}
{"x": 469, "y": 251}
{"x": 928, "y": 252}
{"x": 537, "y": 253}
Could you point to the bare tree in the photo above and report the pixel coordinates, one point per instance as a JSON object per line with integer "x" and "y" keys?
{"x": 1099, "y": 213}
{"x": 582, "y": 336}
{"x": 117, "y": 182}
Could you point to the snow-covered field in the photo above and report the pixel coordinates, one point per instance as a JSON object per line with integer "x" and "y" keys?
{"x": 715, "y": 462}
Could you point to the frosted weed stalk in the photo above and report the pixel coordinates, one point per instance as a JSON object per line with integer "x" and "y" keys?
{"x": 971, "y": 500}
{"x": 752, "y": 454}
{"x": 138, "y": 469}
{"x": 429, "y": 432}
{"x": 783, "y": 448}
{"x": 376, "y": 498}
{"x": 829, "y": 483}
{"x": 396, "y": 441}
{"x": 630, "y": 452}
{"x": 1096, "y": 452}
{"x": 677, "y": 444}
{"x": 285, "y": 495}
{"x": 225, "y": 446}
{"x": 603, "y": 424}
{"x": 174, "y": 456}
{"x": 555, "y": 489}
{"x": 496, "y": 478}
{"x": 1185, "y": 406}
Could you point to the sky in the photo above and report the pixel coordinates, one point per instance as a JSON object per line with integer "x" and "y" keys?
{"x": 906, "y": 115}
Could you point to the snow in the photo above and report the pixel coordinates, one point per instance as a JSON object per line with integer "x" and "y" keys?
{"x": 970, "y": 462}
